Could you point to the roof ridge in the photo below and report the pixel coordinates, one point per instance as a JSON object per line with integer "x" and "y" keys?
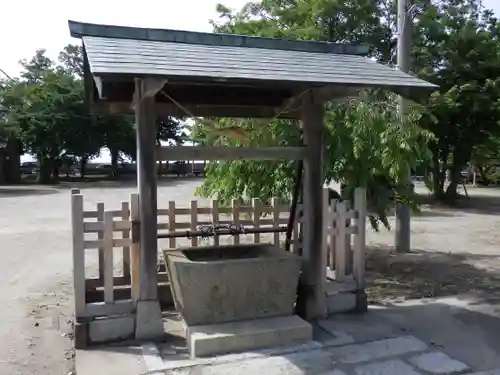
{"x": 79, "y": 30}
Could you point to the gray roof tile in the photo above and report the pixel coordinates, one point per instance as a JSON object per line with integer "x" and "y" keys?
{"x": 172, "y": 59}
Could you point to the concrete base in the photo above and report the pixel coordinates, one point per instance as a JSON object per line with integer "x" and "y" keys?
{"x": 207, "y": 340}
{"x": 149, "y": 323}
{"x": 341, "y": 303}
{"x": 111, "y": 329}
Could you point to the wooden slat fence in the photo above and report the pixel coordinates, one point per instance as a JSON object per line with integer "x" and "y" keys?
{"x": 345, "y": 231}
{"x": 110, "y": 238}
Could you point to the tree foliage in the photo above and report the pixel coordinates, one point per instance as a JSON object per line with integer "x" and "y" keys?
{"x": 455, "y": 46}
{"x": 46, "y": 110}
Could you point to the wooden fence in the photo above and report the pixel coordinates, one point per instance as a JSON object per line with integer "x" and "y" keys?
{"x": 106, "y": 252}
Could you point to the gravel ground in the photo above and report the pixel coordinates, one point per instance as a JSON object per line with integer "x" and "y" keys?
{"x": 454, "y": 250}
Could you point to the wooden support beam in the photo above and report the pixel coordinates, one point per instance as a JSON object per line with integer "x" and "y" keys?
{"x": 146, "y": 182}
{"x": 312, "y": 300}
{"x": 168, "y": 109}
{"x": 229, "y": 153}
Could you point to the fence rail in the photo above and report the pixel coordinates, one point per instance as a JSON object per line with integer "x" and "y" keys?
{"x": 108, "y": 237}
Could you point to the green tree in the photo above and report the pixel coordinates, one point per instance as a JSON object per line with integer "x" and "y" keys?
{"x": 461, "y": 43}
{"x": 365, "y": 146}
{"x": 365, "y": 143}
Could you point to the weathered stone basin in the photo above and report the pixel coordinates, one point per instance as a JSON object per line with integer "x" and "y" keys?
{"x": 217, "y": 284}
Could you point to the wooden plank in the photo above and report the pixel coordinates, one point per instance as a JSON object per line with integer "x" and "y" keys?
{"x": 215, "y": 219}
{"x": 194, "y": 222}
{"x": 135, "y": 247}
{"x": 171, "y": 223}
{"x": 95, "y": 283}
{"x": 324, "y": 243}
{"x": 276, "y": 220}
{"x": 348, "y": 237}
{"x": 360, "y": 238}
{"x": 229, "y": 153}
{"x": 78, "y": 253}
{"x": 100, "y": 236}
{"x": 96, "y": 309}
{"x": 236, "y": 219}
{"x": 94, "y": 214}
{"x": 256, "y": 218}
{"x": 340, "y": 245}
{"x": 126, "y": 236}
{"x": 108, "y": 257}
{"x": 118, "y": 225}
{"x": 332, "y": 221}
{"x": 295, "y": 233}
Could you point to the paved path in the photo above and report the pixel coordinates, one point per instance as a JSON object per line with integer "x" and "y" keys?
{"x": 386, "y": 341}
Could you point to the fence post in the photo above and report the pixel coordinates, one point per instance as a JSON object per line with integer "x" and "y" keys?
{"x": 256, "y": 211}
{"x": 235, "y": 210}
{"x": 276, "y": 219}
{"x": 78, "y": 252}
{"x": 108, "y": 257}
{"x": 126, "y": 249}
{"x": 215, "y": 219}
{"x": 172, "y": 243}
{"x": 100, "y": 236}
{"x": 135, "y": 250}
{"x": 194, "y": 221}
{"x": 324, "y": 244}
{"x": 348, "y": 246}
{"x": 340, "y": 244}
{"x": 360, "y": 237}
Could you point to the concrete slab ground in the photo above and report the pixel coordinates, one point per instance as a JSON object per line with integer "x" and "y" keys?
{"x": 441, "y": 336}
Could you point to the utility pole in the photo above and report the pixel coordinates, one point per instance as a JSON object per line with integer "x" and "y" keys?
{"x": 405, "y": 25}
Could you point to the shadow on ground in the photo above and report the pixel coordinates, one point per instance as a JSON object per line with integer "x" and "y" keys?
{"x": 425, "y": 274}
{"x": 122, "y": 183}
{"x": 15, "y": 191}
{"x": 487, "y": 202}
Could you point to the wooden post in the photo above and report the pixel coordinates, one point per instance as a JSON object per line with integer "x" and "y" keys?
{"x": 126, "y": 249}
{"x": 312, "y": 300}
{"x": 149, "y": 323}
{"x": 100, "y": 236}
{"x": 78, "y": 252}
{"x": 146, "y": 181}
{"x": 108, "y": 257}
{"x": 136, "y": 250}
{"x": 360, "y": 237}
{"x": 340, "y": 242}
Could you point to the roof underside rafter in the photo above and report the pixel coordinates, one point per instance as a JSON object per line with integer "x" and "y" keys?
{"x": 227, "y": 75}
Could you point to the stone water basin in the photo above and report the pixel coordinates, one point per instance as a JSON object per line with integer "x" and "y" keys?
{"x": 218, "y": 284}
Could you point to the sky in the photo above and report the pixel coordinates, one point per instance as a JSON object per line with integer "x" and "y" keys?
{"x": 28, "y": 25}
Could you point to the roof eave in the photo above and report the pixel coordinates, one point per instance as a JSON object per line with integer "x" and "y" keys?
{"x": 79, "y": 30}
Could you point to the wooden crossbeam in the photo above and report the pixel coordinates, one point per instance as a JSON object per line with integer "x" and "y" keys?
{"x": 228, "y": 153}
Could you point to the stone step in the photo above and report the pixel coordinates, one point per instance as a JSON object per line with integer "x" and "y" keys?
{"x": 215, "y": 339}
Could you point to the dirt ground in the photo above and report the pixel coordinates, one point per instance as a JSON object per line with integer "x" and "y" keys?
{"x": 454, "y": 251}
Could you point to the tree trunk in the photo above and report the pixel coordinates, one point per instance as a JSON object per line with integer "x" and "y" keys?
{"x": 460, "y": 158}
{"x": 45, "y": 172}
{"x": 2, "y": 166}
{"x": 114, "y": 162}
{"x": 83, "y": 167}
{"x": 12, "y": 162}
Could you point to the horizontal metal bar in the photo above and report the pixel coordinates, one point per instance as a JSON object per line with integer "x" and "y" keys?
{"x": 222, "y": 232}
{"x": 229, "y": 153}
